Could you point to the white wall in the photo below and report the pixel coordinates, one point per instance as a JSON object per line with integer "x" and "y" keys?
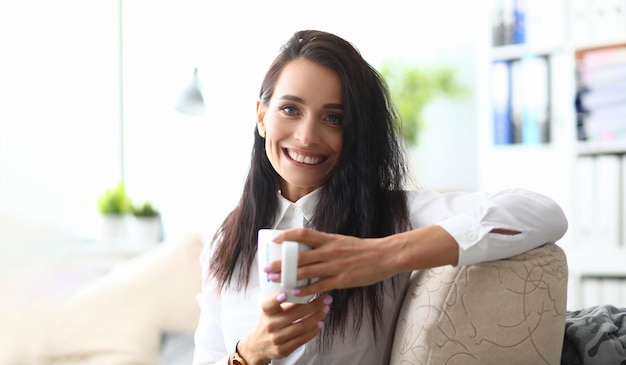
{"x": 59, "y": 120}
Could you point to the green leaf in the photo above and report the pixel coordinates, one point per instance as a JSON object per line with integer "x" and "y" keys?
{"x": 146, "y": 209}
{"x": 115, "y": 201}
{"x": 412, "y": 88}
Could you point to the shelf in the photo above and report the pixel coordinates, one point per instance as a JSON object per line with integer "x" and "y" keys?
{"x": 601, "y": 43}
{"x": 520, "y": 151}
{"x": 559, "y": 169}
{"x": 590, "y": 148}
{"x": 516, "y": 51}
{"x": 591, "y": 266}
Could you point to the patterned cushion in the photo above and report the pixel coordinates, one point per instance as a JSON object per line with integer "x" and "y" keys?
{"x": 509, "y": 311}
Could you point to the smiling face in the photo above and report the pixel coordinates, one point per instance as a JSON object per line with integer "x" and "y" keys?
{"x": 302, "y": 126}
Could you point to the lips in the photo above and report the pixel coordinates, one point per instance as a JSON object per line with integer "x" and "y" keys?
{"x": 307, "y": 159}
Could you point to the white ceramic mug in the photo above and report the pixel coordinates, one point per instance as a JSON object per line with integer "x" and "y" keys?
{"x": 287, "y": 252}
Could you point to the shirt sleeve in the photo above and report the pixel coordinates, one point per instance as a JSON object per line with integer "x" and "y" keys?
{"x": 208, "y": 338}
{"x": 470, "y": 217}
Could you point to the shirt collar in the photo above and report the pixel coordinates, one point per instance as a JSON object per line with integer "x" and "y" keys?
{"x": 305, "y": 205}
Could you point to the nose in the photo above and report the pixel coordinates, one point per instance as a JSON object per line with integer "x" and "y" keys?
{"x": 307, "y": 132}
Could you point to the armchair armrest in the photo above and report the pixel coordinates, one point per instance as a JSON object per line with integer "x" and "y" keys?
{"x": 509, "y": 311}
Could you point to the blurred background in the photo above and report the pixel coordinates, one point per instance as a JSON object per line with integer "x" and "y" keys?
{"x": 88, "y": 93}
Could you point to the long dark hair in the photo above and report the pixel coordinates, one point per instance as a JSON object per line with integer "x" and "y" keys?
{"x": 363, "y": 196}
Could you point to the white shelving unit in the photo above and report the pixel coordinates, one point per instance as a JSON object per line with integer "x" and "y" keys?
{"x": 552, "y": 168}
{"x": 617, "y": 147}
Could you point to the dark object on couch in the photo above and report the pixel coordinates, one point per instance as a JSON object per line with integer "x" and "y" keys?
{"x": 595, "y": 336}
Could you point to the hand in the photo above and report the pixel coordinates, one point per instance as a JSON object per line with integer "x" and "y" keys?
{"x": 341, "y": 261}
{"x": 283, "y": 327}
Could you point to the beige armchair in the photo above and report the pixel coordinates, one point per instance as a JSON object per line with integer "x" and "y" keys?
{"x": 508, "y": 311}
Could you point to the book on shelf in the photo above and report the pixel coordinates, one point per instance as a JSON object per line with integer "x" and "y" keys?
{"x": 501, "y": 101}
{"x": 601, "y": 68}
{"x": 599, "y": 202}
{"x": 591, "y": 292}
{"x": 607, "y": 97}
{"x": 613, "y": 291}
{"x": 517, "y": 102}
{"x": 519, "y": 21}
{"x": 607, "y": 209}
{"x": 521, "y": 102}
{"x": 536, "y": 113}
{"x": 531, "y": 99}
{"x": 603, "y": 290}
{"x": 605, "y": 124}
{"x": 535, "y": 22}
{"x": 502, "y": 22}
{"x": 601, "y": 56}
{"x": 601, "y": 92}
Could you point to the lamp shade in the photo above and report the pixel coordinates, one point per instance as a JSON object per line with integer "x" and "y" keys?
{"x": 191, "y": 101}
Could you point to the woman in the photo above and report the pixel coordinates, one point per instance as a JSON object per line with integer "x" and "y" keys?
{"x": 327, "y": 168}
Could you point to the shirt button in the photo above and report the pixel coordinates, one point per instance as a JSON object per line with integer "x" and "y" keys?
{"x": 471, "y": 235}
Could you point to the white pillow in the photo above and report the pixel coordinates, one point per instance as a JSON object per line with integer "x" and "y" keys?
{"x": 120, "y": 318}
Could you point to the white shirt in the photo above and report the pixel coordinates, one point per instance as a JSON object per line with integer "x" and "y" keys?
{"x": 228, "y": 316}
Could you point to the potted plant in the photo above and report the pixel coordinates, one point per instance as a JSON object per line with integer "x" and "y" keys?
{"x": 114, "y": 207}
{"x": 144, "y": 210}
{"x": 412, "y": 88}
{"x": 147, "y": 227}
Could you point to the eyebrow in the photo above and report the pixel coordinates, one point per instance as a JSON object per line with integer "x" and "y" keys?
{"x": 300, "y": 100}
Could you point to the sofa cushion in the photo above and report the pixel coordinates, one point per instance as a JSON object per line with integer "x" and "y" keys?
{"x": 509, "y": 311}
{"x": 120, "y": 319}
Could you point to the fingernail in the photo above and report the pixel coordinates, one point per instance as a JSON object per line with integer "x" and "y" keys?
{"x": 267, "y": 268}
{"x": 281, "y": 297}
{"x": 325, "y": 309}
{"x": 296, "y": 291}
{"x": 275, "y": 239}
{"x": 328, "y": 299}
{"x": 273, "y": 276}
{"x": 320, "y": 324}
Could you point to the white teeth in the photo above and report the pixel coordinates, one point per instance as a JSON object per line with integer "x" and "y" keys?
{"x": 309, "y": 160}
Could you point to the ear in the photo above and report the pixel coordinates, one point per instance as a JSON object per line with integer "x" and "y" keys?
{"x": 260, "y": 114}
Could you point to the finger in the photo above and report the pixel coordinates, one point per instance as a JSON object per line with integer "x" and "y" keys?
{"x": 301, "y": 332}
{"x": 310, "y": 265}
{"x": 312, "y": 238}
{"x": 313, "y": 308}
{"x": 297, "y": 322}
{"x": 307, "y": 236}
{"x": 272, "y": 305}
{"x": 320, "y": 286}
{"x": 304, "y": 318}
{"x": 302, "y": 329}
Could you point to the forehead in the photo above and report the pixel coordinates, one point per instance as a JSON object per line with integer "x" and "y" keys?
{"x": 309, "y": 80}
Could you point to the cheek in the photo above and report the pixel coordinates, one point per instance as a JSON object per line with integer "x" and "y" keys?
{"x": 274, "y": 130}
{"x": 337, "y": 144}
{"x": 273, "y": 138}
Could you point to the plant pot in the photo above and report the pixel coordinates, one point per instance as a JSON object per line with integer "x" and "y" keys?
{"x": 146, "y": 232}
{"x": 113, "y": 228}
